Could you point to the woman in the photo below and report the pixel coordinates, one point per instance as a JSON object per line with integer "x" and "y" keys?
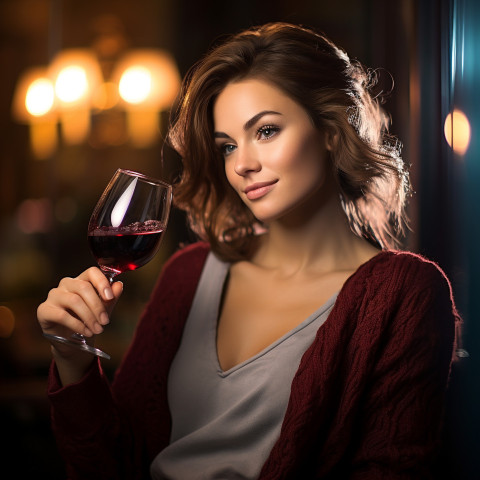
{"x": 294, "y": 341}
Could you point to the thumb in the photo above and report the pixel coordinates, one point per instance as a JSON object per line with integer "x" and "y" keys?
{"x": 117, "y": 288}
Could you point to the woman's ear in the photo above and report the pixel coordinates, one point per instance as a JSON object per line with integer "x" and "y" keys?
{"x": 331, "y": 140}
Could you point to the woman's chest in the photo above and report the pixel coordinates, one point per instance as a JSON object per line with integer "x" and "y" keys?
{"x": 257, "y": 310}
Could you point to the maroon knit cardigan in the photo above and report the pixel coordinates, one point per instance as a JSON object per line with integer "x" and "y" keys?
{"x": 366, "y": 401}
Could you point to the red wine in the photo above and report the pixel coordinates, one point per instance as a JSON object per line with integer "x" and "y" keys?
{"x": 118, "y": 249}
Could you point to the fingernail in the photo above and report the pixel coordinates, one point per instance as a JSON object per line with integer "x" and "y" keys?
{"x": 104, "y": 318}
{"x": 108, "y": 294}
{"x": 98, "y": 328}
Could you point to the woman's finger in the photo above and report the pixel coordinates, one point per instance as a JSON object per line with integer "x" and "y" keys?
{"x": 59, "y": 321}
{"x": 81, "y": 298}
{"x": 100, "y": 282}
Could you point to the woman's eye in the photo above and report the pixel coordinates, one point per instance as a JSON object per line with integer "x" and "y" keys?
{"x": 227, "y": 149}
{"x": 267, "y": 131}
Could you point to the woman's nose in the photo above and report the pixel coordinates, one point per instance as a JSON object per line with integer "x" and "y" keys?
{"x": 246, "y": 162}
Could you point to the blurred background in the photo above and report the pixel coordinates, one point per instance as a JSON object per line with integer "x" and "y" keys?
{"x": 58, "y": 149}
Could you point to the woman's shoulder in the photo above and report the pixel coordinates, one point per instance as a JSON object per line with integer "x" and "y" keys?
{"x": 189, "y": 252}
{"x": 394, "y": 280}
{"x": 188, "y": 259}
{"x": 181, "y": 272}
{"x": 403, "y": 268}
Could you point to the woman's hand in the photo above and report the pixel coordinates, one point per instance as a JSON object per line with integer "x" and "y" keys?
{"x": 81, "y": 305}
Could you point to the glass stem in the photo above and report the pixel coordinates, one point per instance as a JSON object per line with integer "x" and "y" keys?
{"x": 110, "y": 276}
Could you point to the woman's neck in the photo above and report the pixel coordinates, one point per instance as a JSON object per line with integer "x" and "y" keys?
{"x": 313, "y": 240}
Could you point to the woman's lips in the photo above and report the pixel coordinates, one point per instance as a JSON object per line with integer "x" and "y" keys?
{"x": 258, "y": 190}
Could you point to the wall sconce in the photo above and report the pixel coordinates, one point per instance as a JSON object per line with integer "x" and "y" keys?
{"x": 72, "y": 89}
{"x": 148, "y": 82}
{"x": 76, "y": 76}
{"x": 34, "y": 104}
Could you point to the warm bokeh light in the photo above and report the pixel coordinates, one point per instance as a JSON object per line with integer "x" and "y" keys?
{"x": 147, "y": 78}
{"x": 149, "y": 82}
{"x": 34, "y": 104}
{"x": 7, "y": 322}
{"x": 143, "y": 83}
{"x": 40, "y": 97}
{"x": 135, "y": 84}
{"x": 457, "y": 131}
{"x": 77, "y": 75}
{"x": 71, "y": 84}
{"x": 34, "y": 98}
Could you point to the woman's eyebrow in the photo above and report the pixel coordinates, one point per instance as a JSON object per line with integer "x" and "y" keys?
{"x": 249, "y": 123}
{"x": 220, "y": 135}
{"x": 257, "y": 117}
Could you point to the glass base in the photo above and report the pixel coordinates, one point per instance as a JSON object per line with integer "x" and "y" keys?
{"x": 77, "y": 341}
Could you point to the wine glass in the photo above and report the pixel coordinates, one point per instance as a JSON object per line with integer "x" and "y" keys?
{"x": 125, "y": 231}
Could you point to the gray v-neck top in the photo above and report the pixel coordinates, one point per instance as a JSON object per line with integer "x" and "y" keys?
{"x": 225, "y": 423}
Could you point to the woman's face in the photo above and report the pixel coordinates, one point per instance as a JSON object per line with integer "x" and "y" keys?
{"x": 275, "y": 158}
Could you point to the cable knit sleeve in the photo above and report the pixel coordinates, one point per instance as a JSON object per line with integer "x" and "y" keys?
{"x": 397, "y": 430}
{"x": 114, "y": 432}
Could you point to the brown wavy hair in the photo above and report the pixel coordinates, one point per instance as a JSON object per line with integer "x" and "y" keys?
{"x": 336, "y": 93}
